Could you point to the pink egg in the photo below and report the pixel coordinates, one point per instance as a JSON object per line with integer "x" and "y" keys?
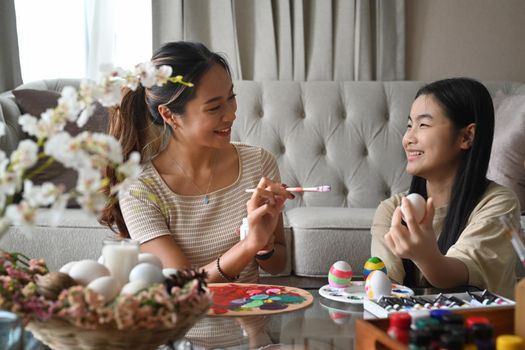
{"x": 340, "y": 275}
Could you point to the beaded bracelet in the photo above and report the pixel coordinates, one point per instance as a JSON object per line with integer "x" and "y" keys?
{"x": 265, "y": 256}
{"x": 223, "y": 275}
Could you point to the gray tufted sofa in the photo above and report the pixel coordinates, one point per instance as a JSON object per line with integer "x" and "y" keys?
{"x": 343, "y": 134}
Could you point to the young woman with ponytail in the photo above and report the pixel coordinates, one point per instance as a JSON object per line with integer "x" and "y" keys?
{"x": 190, "y": 198}
{"x": 461, "y": 240}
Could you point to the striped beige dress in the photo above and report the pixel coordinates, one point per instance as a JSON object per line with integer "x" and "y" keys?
{"x": 202, "y": 231}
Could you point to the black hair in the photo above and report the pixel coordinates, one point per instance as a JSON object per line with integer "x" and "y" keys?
{"x": 189, "y": 59}
{"x": 464, "y": 101}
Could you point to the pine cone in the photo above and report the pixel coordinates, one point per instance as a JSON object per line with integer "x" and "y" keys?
{"x": 51, "y": 284}
{"x": 182, "y": 277}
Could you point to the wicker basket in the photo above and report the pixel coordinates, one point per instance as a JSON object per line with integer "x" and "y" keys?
{"x": 59, "y": 334}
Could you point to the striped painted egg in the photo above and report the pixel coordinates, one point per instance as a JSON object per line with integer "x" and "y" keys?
{"x": 340, "y": 275}
{"x": 377, "y": 284}
{"x": 372, "y": 264}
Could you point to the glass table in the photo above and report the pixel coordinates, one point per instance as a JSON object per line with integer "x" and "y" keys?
{"x": 325, "y": 324}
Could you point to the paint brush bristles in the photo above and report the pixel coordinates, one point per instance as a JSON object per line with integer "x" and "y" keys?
{"x": 322, "y": 188}
{"x": 515, "y": 238}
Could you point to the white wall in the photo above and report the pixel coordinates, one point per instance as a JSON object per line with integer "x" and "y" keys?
{"x": 483, "y": 39}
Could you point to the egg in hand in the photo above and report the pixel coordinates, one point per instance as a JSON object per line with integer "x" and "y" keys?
{"x": 418, "y": 204}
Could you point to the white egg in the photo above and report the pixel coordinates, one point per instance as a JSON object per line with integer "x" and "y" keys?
{"x": 150, "y": 258}
{"x": 146, "y": 272}
{"x": 168, "y": 271}
{"x": 101, "y": 259}
{"x": 85, "y": 271}
{"x": 418, "y": 205}
{"x": 132, "y": 288}
{"x": 107, "y": 286}
{"x": 342, "y": 266}
{"x": 377, "y": 284}
{"x": 67, "y": 267}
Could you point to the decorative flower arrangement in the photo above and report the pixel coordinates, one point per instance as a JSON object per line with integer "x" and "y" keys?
{"x": 87, "y": 153}
{"x": 26, "y": 286}
{"x": 18, "y": 291}
{"x": 157, "y": 307}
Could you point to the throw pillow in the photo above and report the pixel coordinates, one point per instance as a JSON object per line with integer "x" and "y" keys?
{"x": 35, "y": 102}
{"x": 506, "y": 165}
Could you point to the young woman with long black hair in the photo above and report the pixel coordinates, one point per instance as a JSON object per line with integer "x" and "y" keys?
{"x": 461, "y": 240}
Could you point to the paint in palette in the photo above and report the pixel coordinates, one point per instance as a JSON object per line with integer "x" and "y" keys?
{"x": 233, "y": 297}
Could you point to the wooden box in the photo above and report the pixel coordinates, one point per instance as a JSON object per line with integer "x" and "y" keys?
{"x": 371, "y": 334}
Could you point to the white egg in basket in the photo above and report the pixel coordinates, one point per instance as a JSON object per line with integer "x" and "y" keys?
{"x": 150, "y": 258}
{"x": 67, "y": 267}
{"x": 146, "y": 272}
{"x": 134, "y": 287}
{"x": 168, "y": 271}
{"x": 85, "y": 271}
{"x": 107, "y": 286}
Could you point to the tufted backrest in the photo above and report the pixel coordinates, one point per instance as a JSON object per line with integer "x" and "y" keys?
{"x": 344, "y": 134}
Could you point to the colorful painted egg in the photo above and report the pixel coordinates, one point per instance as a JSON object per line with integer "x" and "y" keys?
{"x": 340, "y": 275}
{"x": 377, "y": 284}
{"x": 372, "y": 264}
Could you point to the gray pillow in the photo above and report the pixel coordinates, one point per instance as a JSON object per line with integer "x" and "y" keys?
{"x": 507, "y": 160}
{"x": 35, "y": 102}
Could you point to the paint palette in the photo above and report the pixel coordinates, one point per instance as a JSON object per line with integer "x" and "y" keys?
{"x": 355, "y": 293}
{"x": 248, "y": 299}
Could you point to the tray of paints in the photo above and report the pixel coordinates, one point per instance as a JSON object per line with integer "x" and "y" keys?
{"x": 388, "y": 304}
{"x": 355, "y": 292}
{"x": 372, "y": 333}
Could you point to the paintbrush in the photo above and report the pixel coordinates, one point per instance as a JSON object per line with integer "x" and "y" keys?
{"x": 322, "y": 188}
{"x": 515, "y": 238}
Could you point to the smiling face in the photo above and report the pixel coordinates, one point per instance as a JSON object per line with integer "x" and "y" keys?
{"x": 209, "y": 116}
{"x": 433, "y": 146}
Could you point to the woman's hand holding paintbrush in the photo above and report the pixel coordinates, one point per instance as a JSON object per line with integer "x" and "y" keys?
{"x": 322, "y": 188}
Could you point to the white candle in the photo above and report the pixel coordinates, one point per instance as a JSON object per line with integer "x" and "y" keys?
{"x": 120, "y": 256}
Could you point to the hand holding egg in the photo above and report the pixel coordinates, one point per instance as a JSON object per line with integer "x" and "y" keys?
{"x": 418, "y": 204}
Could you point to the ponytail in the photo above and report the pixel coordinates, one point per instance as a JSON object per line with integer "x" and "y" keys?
{"x": 133, "y": 126}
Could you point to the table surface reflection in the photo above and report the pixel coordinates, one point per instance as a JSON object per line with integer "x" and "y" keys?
{"x": 326, "y": 324}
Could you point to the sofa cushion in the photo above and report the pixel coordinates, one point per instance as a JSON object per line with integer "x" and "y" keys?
{"x": 324, "y": 235}
{"x": 507, "y": 159}
{"x": 77, "y": 236}
{"x": 36, "y": 102}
